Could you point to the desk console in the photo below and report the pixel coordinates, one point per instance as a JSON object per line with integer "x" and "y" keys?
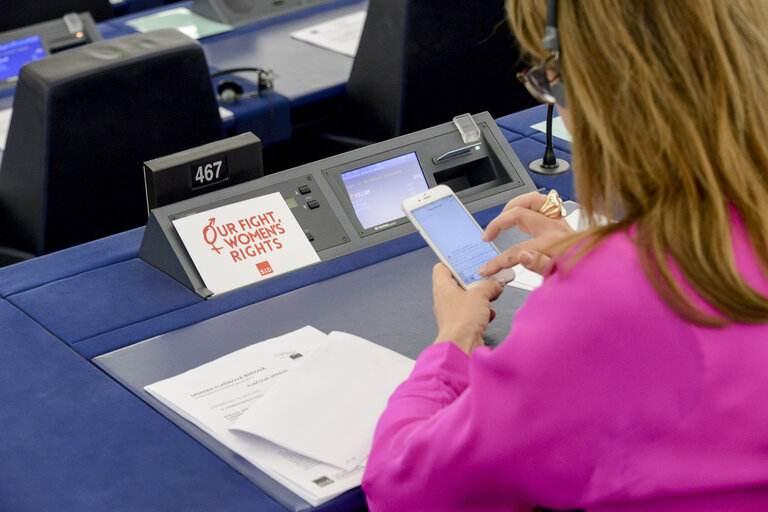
{"x": 350, "y": 202}
{"x": 33, "y": 42}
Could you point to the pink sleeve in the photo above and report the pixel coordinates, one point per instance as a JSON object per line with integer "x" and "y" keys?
{"x": 534, "y": 420}
{"x": 441, "y": 443}
{"x": 418, "y": 462}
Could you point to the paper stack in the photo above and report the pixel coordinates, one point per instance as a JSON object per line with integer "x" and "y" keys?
{"x": 301, "y": 407}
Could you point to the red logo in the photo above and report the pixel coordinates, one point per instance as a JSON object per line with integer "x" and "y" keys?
{"x": 210, "y": 235}
{"x": 264, "y": 268}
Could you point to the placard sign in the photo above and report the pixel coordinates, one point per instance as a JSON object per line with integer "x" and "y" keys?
{"x": 245, "y": 242}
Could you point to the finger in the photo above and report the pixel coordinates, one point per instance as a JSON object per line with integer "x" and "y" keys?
{"x": 531, "y": 201}
{"x": 511, "y": 256}
{"x": 492, "y": 315}
{"x": 529, "y": 221}
{"x": 535, "y": 261}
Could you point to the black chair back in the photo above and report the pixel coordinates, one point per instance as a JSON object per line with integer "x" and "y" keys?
{"x": 83, "y": 123}
{"x": 422, "y": 62}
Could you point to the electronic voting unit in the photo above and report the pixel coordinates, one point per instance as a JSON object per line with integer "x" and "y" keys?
{"x": 341, "y": 205}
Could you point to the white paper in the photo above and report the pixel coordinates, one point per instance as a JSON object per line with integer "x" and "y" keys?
{"x": 341, "y": 35}
{"x": 343, "y": 386}
{"x": 215, "y": 395}
{"x": 245, "y": 242}
{"x": 225, "y": 114}
{"x": 527, "y": 279}
{"x": 5, "y": 125}
{"x": 558, "y": 128}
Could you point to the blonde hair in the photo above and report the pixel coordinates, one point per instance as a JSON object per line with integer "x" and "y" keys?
{"x": 669, "y": 119}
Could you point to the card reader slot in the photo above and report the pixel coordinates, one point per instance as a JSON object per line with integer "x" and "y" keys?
{"x": 66, "y": 43}
{"x": 454, "y": 153}
{"x": 470, "y": 175}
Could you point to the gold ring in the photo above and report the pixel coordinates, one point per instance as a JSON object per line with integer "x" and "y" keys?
{"x": 553, "y": 206}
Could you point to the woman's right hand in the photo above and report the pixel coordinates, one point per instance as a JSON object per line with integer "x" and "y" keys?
{"x": 533, "y": 254}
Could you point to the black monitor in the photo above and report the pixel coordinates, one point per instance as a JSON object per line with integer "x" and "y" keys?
{"x": 422, "y": 62}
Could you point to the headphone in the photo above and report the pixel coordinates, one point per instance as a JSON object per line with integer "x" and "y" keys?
{"x": 551, "y": 42}
{"x": 230, "y": 91}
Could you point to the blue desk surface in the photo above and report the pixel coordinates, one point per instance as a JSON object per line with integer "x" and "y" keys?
{"x": 73, "y": 438}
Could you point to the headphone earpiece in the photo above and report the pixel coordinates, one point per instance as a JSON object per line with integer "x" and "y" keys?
{"x": 230, "y": 91}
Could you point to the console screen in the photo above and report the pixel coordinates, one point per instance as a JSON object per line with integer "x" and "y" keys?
{"x": 377, "y": 190}
{"x": 14, "y": 54}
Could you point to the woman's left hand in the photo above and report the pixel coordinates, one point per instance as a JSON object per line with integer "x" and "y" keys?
{"x": 462, "y": 315}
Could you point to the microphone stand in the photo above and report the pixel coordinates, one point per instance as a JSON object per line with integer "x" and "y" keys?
{"x": 550, "y": 164}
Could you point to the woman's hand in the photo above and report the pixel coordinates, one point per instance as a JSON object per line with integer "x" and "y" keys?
{"x": 523, "y": 212}
{"x": 462, "y": 315}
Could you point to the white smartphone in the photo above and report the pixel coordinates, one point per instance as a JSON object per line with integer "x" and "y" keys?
{"x": 453, "y": 234}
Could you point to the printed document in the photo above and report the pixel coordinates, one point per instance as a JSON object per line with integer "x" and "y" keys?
{"x": 218, "y": 397}
{"x": 341, "y": 35}
{"x": 343, "y": 386}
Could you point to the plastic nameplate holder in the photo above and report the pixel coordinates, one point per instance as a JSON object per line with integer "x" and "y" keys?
{"x": 245, "y": 242}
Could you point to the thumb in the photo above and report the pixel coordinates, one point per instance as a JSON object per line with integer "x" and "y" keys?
{"x": 490, "y": 289}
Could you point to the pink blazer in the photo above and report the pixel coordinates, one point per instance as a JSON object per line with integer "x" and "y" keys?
{"x": 600, "y": 398}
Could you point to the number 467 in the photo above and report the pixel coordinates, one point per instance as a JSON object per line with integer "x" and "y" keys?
{"x": 209, "y": 172}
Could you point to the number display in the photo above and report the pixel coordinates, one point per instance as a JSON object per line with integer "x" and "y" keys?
{"x": 207, "y": 173}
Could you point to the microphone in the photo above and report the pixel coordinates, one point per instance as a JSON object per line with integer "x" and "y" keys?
{"x": 550, "y": 164}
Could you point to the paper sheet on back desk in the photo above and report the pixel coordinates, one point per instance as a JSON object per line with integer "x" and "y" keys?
{"x": 528, "y": 280}
{"x": 215, "y": 395}
{"x": 341, "y": 35}
{"x": 327, "y": 409}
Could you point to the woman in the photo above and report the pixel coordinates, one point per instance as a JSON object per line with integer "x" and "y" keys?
{"x": 635, "y": 377}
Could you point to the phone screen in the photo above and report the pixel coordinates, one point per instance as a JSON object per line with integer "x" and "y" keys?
{"x": 456, "y": 236}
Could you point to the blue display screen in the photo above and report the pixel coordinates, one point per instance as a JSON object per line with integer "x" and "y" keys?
{"x": 14, "y": 54}
{"x": 377, "y": 190}
{"x": 456, "y": 236}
